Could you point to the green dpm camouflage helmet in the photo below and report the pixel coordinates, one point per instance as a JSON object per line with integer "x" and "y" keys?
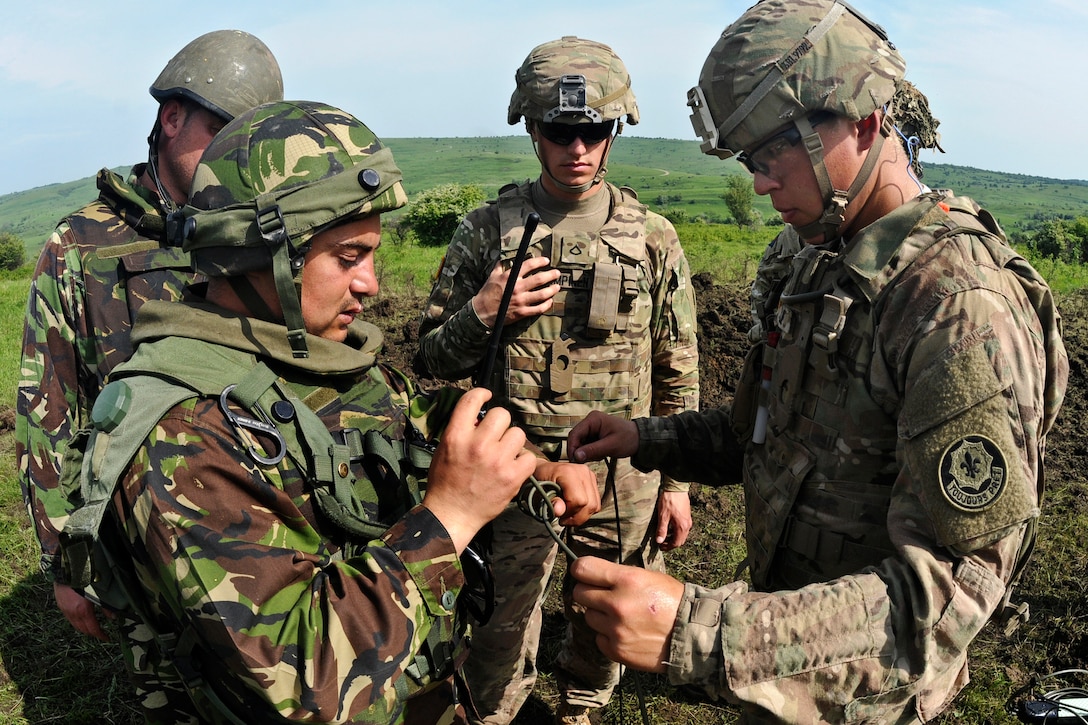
{"x": 227, "y": 72}
{"x": 781, "y": 63}
{"x": 273, "y": 178}
{"x": 575, "y": 79}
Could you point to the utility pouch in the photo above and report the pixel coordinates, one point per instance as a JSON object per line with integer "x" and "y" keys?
{"x": 604, "y": 301}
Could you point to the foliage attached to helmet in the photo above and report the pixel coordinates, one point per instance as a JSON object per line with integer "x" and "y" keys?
{"x": 227, "y": 72}
{"x": 787, "y": 59}
{"x": 572, "y": 80}
{"x": 273, "y": 178}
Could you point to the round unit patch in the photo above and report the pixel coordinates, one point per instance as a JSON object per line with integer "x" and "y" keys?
{"x": 972, "y": 473}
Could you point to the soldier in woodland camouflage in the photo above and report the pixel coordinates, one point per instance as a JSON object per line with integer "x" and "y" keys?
{"x": 601, "y": 318}
{"x": 108, "y": 258}
{"x": 268, "y": 525}
{"x": 893, "y": 454}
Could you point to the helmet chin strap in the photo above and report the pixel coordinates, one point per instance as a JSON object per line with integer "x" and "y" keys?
{"x": 153, "y": 168}
{"x": 835, "y": 200}
{"x": 597, "y": 178}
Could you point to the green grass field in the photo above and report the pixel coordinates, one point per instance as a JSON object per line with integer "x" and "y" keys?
{"x": 668, "y": 174}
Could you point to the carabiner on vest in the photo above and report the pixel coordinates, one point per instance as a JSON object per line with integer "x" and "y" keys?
{"x": 261, "y": 427}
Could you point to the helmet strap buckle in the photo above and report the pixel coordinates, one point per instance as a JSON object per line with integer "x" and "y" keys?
{"x": 270, "y": 222}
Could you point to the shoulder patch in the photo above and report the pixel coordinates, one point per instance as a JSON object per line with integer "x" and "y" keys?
{"x": 972, "y": 473}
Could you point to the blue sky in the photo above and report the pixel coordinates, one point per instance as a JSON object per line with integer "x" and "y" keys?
{"x": 1005, "y": 81}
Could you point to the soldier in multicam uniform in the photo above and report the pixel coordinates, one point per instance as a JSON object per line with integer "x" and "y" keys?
{"x": 104, "y": 261}
{"x": 916, "y": 128}
{"x": 264, "y": 525}
{"x": 602, "y": 317}
{"x": 894, "y": 497}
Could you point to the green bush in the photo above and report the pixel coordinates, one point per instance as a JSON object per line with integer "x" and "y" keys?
{"x": 739, "y": 197}
{"x": 12, "y": 251}
{"x": 435, "y": 213}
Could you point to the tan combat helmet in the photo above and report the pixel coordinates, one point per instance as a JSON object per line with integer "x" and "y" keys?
{"x": 784, "y": 62}
{"x": 572, "y": 78}
{"x": 573, "y": 81}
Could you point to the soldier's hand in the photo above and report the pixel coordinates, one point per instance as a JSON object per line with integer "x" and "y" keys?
{"x": 580, "y": 497}
{"x": 78, "y": 610}
{"x": 631, "y": 609}
{"x": 477, "y": 469}
{"x": 598, "y": 436}
{"x": 533, "y": 292}
{"x": 673, "y": 519}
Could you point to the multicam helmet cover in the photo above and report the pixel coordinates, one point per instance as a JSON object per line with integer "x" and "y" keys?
{"x": 778, "y": 66}
{"x": 572, "y": 79}
{"x": 225, "y": 71}
{"x": 786, "y": 59}
{"x": 273, "y": 178}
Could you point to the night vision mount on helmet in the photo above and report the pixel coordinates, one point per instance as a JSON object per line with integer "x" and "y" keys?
{"x": 575, "y": 81}
{"x": 572, "y": 79}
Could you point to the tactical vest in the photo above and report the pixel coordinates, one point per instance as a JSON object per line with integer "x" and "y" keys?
{"x": 818, "y": 490}
{"x": 362, "y": 480}
{"x": 593, "y": 349}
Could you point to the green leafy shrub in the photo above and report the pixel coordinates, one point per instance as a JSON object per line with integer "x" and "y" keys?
{"x": 12, "y": 251}
{"x": 435, "y": 213}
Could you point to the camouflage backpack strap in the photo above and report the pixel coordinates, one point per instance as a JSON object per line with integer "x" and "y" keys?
{"x": 394, "y": 469}
{"x": 100, "y": 457}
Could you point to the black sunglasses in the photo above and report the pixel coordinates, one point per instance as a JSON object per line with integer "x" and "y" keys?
{"x": 564, "y": 134}
{"x": 762, "y": 157}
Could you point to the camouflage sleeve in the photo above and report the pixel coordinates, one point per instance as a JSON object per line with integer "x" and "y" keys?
{"x": 975, "y": 372}
{"x": 676, "y": 351}
{"x": 51, "y": 401}
{"x": 278, "y": 611}
{"x": 690, "y": 446}
{"x": 452, "y": 339}
{"x": 875, "y": 641}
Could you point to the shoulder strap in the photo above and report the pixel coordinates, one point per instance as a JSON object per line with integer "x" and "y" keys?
{"x": 119, "y": 430}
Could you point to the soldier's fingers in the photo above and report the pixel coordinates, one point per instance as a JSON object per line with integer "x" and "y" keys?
{"x": 467, "y": 411}
{"x": 594, "y": 572}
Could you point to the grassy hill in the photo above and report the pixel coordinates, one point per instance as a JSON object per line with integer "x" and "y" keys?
{"x": 667, "y": 173}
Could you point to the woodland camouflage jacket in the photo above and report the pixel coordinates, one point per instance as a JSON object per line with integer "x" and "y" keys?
{"x": 99, "y": 266}
{"x": 286, "y": 612}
